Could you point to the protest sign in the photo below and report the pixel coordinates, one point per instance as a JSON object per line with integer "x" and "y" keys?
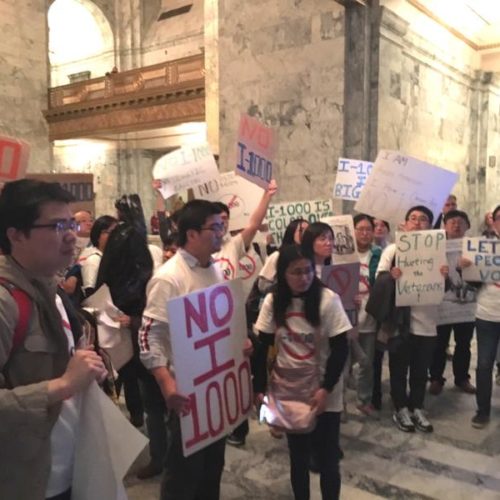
{"x": 185, "y": 168}
{"x": 484, "y": 253}
{"x": 240, "y": 195}
{"x": 279, "y": 215}
{"x": 351, "y": 177}
{"x": 256, "y": 151}
{"x": 420, "y": 255}
{"x": 208, "y": 335}
{"x": 398, "y": 182}
{"x": 14, "y": 156}
{"x": 344, "y": 243}
{"x": 343, "y": 279}
{"x": 459, "y": 302}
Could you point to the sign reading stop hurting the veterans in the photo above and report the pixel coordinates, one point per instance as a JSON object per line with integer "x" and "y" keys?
{"x": 14, "y": 156}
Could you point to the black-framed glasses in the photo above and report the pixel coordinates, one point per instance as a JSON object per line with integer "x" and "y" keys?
{"x": 216, "y": 228}
{"x": 61, "y": 226}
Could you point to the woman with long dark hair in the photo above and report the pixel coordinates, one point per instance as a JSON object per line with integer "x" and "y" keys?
{"x": 317, "y": 242}
{"x": 308, "y": 325}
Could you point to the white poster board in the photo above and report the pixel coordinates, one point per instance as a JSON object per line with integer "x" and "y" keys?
{"x": 485, "y": 256}
{"x": 185, "y": 168}
{"x": 279, "y": 215}
{"x": 350, "y": 179}
{"x": 240, "y": 195}
{"x": 420, "y": 255}
{"x": 208, "y": 332}
{"x": 398, "y": 182}
{"x": 459, "y": 302}
{"x": 257, "y": 146}
{"x": 345, "y": 250}
{"x": 343, "y": 279}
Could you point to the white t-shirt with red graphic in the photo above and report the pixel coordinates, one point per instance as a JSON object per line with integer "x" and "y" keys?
{"x": 366, "y": 323}
{"x": 297, "y": 345}
{"x": 228, "y": 257}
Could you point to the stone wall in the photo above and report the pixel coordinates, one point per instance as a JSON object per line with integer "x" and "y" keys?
{"x": 283, "y": 61}
{"x": 23, "y": 77}
{"x": 493, "y": 144}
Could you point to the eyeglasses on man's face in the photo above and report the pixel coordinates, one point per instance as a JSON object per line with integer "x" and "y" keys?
{"x": 60, "y": 226}
{"x": 216, "y": 228}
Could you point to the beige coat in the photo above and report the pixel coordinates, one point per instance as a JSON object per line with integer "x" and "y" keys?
{"x": 26, "y": 418}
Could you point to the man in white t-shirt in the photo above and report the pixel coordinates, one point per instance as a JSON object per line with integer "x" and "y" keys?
{"x": 200, "y": 232}
{"x": 414, "y": 353}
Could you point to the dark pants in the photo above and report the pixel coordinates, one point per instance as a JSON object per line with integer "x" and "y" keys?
{"x": 62, "y": 496}
{"x": 461, "y": 356}
{"x": 413, "y": 354}
{"x": 156, "y": 412}
{"x": 196, "y": 477}
{"x": 241, "y": 432}
{"x": 488, "y": 337}
{"x": 378, "y": 359}
{"x": 324, "y": 442}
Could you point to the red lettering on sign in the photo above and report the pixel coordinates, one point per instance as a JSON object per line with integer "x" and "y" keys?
{"x": 215, "y": 311}
{"x": 231, "y": 417}
{"x": 199, "y": 316}
{"x": 214, "y": 386}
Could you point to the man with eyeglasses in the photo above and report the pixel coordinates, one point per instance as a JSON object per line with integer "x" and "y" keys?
{"x": 411, "y": 353}
{"x": 40, "y": 382}
{"x": 200, "y": 233}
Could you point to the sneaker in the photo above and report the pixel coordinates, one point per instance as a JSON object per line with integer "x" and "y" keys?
{"x": 466, "y": 387}
{"x": 235, "y": 440}
{"x": 479, "y": 420}
{"x": 403, "y": 420}
{"x": 435, "y": 388}
{"x": 420, "y": 421}
{"x": 368, "y": 410}
{"x": 148, "y": 471}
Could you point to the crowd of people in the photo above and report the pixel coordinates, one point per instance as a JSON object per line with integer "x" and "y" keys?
{"x": 302, "y": 343}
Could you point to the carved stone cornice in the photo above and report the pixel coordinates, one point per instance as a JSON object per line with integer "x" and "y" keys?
{"x": 149, "y": 97}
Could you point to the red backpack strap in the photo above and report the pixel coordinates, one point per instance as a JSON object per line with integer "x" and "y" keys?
{"x": 24, "y": 307}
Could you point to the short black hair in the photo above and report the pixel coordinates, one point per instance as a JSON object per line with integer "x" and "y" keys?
{"x": 289, "y": 235}
{"x": 361, "y": 217}
{"x": 222, "y": 207}
{"x": 494, "y": 214}
{"x": 21, "y": 202}
{"x": 101, "y": 224}
{"x": 456, "y": 213}
{"x": 423, "y": 209}
{"x": 192, "y": 216}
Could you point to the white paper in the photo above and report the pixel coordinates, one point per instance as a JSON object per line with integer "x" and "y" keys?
{"x": 345, "y": 249}
{"x": 350, "y": 179}
{"x": 240, "y": 195}
{"x": 208, "y": 335}
{"x": 484, "y": 253}
{"x": 399, "y": 182}
{"x": 106, "y": 447}
{"x": 185, "y": 168}
{"x": 420, "y": 255}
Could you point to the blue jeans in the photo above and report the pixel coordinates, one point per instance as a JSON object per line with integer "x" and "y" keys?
{"x": 488, "y": 338}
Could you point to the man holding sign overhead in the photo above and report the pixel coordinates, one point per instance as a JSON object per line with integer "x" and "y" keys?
{"x": 412, "y": 350}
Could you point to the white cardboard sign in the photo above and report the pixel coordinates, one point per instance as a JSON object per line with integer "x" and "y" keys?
{"x": 185, "y": 168}
{"x": 345, "y": 250}
{"x": 351, "y": 177}
{"x": 208, "y": 332}
{"x": 399, "y": 182}
{"x": 485, "y": 256}
{"x": 240, "y": 195}
{"x": 420, "y": 255}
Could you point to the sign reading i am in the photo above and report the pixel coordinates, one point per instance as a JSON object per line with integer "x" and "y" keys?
{"x": 208, "y": 332}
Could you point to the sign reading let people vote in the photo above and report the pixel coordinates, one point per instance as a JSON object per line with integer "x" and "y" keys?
{"x": 420, "y": 255}
{"x": 14, "y": 156}
{"x": 256, "y": 151}
{"x": 351, "y": 177}
{"x": 208, "y": 335}
{"x": 398, "y": 182}
{"x": 185, "y": 168}
{"x": 484, "y": 253}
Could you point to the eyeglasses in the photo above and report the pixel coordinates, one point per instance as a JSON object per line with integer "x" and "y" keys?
{"x": 421, "y": 218}
{"x": 364, "y": 229}
{"x": 216, "y": 228}
{"x": 300, "y": 272}
{"x": 61, "y": 226}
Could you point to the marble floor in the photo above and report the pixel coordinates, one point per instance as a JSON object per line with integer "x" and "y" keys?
{"x": 456, "y": 462}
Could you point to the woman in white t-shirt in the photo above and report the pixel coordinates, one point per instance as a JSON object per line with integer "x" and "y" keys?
{"x": 309, "y": 325}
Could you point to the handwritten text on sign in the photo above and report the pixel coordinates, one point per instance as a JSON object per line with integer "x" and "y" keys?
{"x": 399, "y": 182}
{"x": 185, "y": 168}
{"x": 420, "y": 255}
{"x": 257, "y": 145}
{"x": 484, "y": 253}
{"x": 207, "y": 336}
{"x": 279, "y": 215}
{"x": 241, "y": 196}
{"x": 14, "y": 155}
{"x": 351, "y": 177}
